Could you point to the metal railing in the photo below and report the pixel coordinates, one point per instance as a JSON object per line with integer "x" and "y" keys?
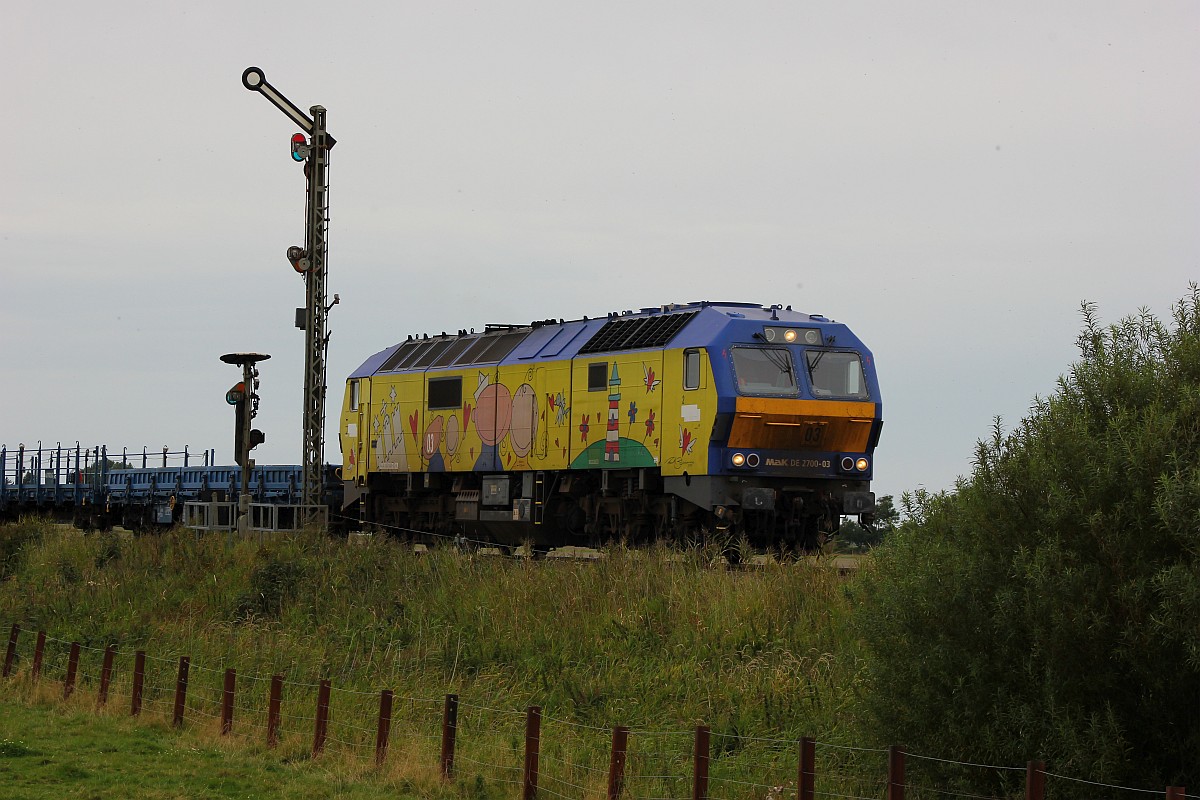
{"x": 264, "y": 517}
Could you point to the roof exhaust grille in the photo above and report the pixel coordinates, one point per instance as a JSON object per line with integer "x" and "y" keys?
{"x": 636, "y": 333}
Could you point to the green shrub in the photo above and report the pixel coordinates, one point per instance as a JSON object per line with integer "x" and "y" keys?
{"x": 1048, "y": 606}
{"x": 271, "y": 585}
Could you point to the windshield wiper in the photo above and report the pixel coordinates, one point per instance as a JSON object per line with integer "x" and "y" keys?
{"x": 820, "y": 354}
{"x": 780, "y": 360}
{"x": 813, "y": 362}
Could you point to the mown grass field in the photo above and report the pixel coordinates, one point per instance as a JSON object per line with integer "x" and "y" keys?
{"x": 51, "y": 750}
{"x": 653, "y": 640}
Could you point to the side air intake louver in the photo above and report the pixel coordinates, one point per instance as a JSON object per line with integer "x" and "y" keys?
{"x": 636, "y": 333}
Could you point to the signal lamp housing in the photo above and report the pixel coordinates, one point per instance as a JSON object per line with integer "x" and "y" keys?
{"x": 300, "y": 147}
{"x": 298, "y": 257}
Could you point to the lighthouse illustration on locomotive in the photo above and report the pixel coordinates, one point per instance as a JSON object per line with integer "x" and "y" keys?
{"x": 678, "y": 422}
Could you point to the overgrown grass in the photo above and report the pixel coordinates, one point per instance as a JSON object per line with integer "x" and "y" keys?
{"x": 653, "y": 640}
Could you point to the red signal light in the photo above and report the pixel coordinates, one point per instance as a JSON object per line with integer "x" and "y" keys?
{"x": 237, "y": 394}
{"x": 299, "y": 147}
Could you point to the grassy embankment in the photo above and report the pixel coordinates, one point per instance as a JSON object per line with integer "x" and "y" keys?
{"x": 652, "y": 640}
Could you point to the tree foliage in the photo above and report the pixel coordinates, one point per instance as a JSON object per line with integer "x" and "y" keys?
{"x": 1049, "y": 607}
{"x": 856, "y": 536}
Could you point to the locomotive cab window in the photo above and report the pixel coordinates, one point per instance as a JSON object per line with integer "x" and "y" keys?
{"x": 836, "y": 374}
{"x": 597, "y": 377}
{"x": 691, "y": 369}
{"x": 354, "y": 395}
{"x": 764, "y": 371}
{"x": 445, "y": 393}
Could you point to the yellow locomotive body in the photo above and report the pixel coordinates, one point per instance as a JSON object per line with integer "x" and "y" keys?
{"x": 566, "y": 432}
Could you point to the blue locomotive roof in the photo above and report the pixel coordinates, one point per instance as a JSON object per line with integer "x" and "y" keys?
{"x": 696, "y": 324}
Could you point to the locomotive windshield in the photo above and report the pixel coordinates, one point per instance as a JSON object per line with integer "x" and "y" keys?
{"x": 836, "y": 374}
{"x": 764, "y": 371}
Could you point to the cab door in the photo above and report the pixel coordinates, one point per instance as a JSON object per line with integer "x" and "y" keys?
{"x": 355, "y": 416}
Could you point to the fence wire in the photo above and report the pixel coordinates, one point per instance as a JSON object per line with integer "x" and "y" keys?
{"x": 489, "y": 744}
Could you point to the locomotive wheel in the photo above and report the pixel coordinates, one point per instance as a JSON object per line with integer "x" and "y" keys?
{"x": 568, "y": 517}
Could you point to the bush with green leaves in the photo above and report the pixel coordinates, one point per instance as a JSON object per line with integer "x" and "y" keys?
{"x": 1049, "y": 607}
{"x": 854, "y": 536}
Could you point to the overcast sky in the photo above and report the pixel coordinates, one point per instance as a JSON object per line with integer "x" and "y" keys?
{"x": 949, "y": 179}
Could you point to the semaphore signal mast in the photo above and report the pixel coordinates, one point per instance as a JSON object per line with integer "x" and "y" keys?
{"x": 310, "y": 261}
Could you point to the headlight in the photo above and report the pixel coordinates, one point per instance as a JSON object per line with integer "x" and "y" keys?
{"x": 752, "y": 460}
{"x": 847, "y": 464}
{"x": 777, "y": 334}
{"x": 738, "y": 459}
{"x": 861, "y": 465}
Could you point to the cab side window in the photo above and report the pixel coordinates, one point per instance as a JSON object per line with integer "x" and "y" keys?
{"x": 691, "y": 369}
{"x": 445, "y": 393}
{"x": 597, "y": 377}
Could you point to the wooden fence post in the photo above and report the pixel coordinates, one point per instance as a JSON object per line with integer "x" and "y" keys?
{"x": 616, "y": 761}
{"x": 806, "y": 779}
{"x": 449, "y": 734}
{"x": 227, "y": 698}
{"x": 700, "y": 764}
{"x": 385, "y": 726}
{"x": 11, "y": 653}
{"x": 139, "y": 680}
{"x": 1035, "y": 780}
{"x": 533, "y": 740}
{"x": 273, "y": 710}
{"x": 181, "y": 684}
{"x": 39, "y": 650}
{"x": 106, "y": 675}
{"x": 895, "y": 788}
{"x": 322, "y": 721}
{"x": 72, "y": 671}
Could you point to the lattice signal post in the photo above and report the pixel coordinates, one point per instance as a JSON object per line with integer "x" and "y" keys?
{"x": 309, "y": 260}
{"x": 244, "y": 399}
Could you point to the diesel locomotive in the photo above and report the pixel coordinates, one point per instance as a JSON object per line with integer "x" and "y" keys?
{"x": 681, "y": 422}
